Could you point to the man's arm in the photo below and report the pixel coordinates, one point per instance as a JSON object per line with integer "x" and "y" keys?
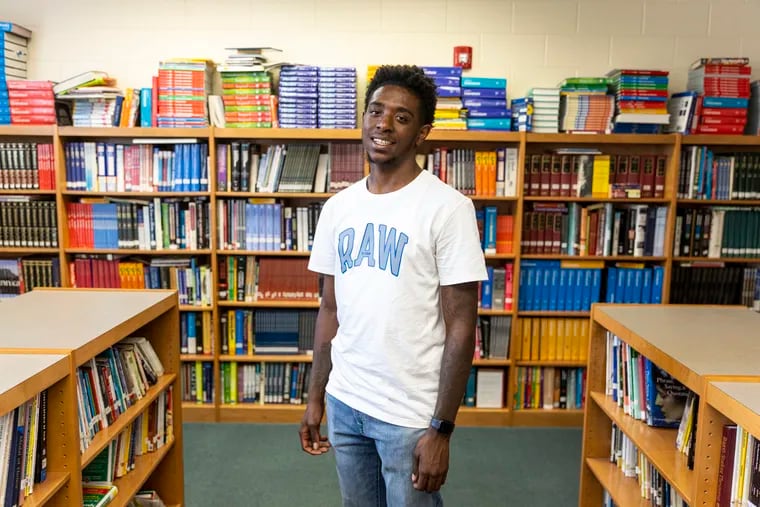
{"x": 460, "y": 311}
{"x": 326, "y": 327}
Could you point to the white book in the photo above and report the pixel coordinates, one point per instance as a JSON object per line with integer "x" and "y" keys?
{"x": 489, "y": 391}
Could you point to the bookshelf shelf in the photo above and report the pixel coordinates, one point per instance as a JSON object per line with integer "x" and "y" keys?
{"x": 45, "y": 491}
{"x": 275, "y": 195}
{"x": 498, "y": 256}
{"x": 491, "y": 362}
{"x": 618, "y": 258}
{"x": 268, "y": 304}
{"x": 553, "y": 314}
{"x": 145, "y": 465}
{"x": 137, "y": 132}
{"x": 738, "y": 401}
{"x": 24, "y": 376}
{"x": 558, "y": 364}
{"x": 718, "y": 202}
{"x": 488, "y": 311}
{"x": 623, "y": 490}
{"x": 105, "y": 435}
{"x": 740, "y": 260}
{"x": 25, "y": 191}
{"x": 29, "y": 251}
{"x": 194, "y": 308}
{"x": 268, "y": 358}
{"x": 642, "y": 200}
{"x": 268, "y": 134}
{"x": 643, "y": 139}
{"x": 134, "y": 251}
{"x": 265, "y": 253}
{"x": 199, "y": 412}
{"x": 496, "y": 198}
{"x": 196, "y": 357}
{"x": 473, "y": 136}
{"x": 691, "y": 140}
{"x": 474, "y": 416}
{"x": 261, "y": 413}
{"x": 28, "y": 130}
{"x": 132, "y": 195}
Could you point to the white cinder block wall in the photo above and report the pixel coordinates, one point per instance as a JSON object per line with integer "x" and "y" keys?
{"x": 531, "y": 42}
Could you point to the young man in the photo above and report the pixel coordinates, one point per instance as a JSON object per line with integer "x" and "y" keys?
{"x": 400, "y": 256}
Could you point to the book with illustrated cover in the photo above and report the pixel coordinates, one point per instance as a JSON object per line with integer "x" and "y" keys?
{"x": 666, "y": 397}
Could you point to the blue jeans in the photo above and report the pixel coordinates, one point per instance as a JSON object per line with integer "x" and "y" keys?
{"x": 374, "y": 460}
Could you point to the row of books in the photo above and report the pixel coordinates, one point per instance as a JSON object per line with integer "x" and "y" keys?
{"x": 195, "y": 333}
{"x": 245, "y": 332}
{"x": 492, "y": 334}
{"x": 23, "y": 449}
{"x": 197, "y": 380}
{"x": 738, "y": 479}
{"x": 192, "y": 281}
{"x": 155, "y": 224}
{"x": 598, "y": 229}
{"x": 715, "y": 283}
{"x": 475, "y": 172}
{"x": 28, "y": 222}
{"x": 552, "y": 339}
{"x": 704, "y": 174}
{"x": 552, "y": 285}
{"x": 275, "y": 383}
{"x": 114, "y": 380}
{"x": 497, "y": 231}
{"x": 497, "y": 292}
{"x": 546, "y": 387}
{"x": 717, "y": 232}
{"x": 267, "y": 279}
{"x": 653, "y": 486}
{"x": 268, "y": 226}
{"x": 150, "y": 431}
{"x": 27, "y": 165}
{"x": 583, "y": 172}
{"x": 115, "y": 167}
{"x": 484, "y": 388}
{"x": 20, "y": 275}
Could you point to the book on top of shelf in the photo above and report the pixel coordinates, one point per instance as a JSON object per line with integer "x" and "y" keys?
{"x": 729, "y": 60}
{"x": 88, "y": 78}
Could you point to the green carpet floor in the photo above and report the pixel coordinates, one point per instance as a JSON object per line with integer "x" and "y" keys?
{"x": 256, "y": 465}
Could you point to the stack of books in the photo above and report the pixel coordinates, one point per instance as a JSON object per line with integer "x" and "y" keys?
{"x": 13, "y": 58}
{"x": 246, "y": 89}
{"x": 485, "y": 99}
{"x": 95, "y": 101}
{"x": 722, "y": 86}
{"x": 585, "y": 106}
{"x": 641, "y": 100}
{"x": 545, "y": 110}
{"x": 449, "y": 112}
{"x": 522, "y": 114}
{"x": 337, "y": 98}
{"x": 183, "y": 85}
{"x": 299, "y": 96}
{"x": 31, "y": 102}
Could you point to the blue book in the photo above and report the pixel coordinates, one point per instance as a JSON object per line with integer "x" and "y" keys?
{"x": 665, "y": 397}
{"x": 484, "y": 82}
{"x": 489, "y": 236}
{"x": 485, "y": 103}
{"x": 486, "y": 290}
{"x": 485, "y": 93}
{"x": 489, "y": 123}
{"x": 146, "y": 107}
{"x": 442, "y": 71}
{"x": 488, "y": 112}
{"x": 724, "y": 102}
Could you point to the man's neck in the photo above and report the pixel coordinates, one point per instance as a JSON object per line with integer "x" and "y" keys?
{"x": 383, "y": 180}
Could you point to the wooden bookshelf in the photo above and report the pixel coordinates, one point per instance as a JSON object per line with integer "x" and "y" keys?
{"x": 712, "y": 350}
{"x": 78, "y": 325}
{"x": 24, "y": 376}
{"x": 669, "y": 145}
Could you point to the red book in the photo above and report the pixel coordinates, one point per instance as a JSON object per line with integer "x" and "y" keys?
{"x": 647, "y": 175}
{"x": 719, "y": 129}
{"x": 716, "y": 111}
{"x": 661, "y": 167}
{"x": 508, "y": 297}
{"x": 723, "y": 120}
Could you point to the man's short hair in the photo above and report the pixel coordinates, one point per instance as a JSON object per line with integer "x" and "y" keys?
{"x": 413, "y": 79}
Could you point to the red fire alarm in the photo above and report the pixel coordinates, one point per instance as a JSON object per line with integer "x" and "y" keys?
{"x": 463, "y": 57}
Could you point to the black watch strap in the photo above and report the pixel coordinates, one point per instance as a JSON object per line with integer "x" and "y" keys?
{"x": 442, "y": 426}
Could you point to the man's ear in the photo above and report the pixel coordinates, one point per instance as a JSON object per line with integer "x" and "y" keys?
{"x": 424, "y": 131}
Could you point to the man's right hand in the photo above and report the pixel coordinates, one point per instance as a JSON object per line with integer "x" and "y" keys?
{"x": 312, "y": 441}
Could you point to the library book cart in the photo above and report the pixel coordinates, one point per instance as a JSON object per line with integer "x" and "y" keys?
{"x": 45, "y": 335}
{"x": 713, "y": 351}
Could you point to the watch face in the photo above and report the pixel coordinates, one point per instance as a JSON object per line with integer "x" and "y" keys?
{"x": 445, "y": 427}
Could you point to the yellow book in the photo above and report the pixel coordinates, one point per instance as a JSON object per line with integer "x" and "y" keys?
{"x": 551, "y": 335}
{"x": 231, "y": 332}
{"x": 206, "y": 326}
{"x": 574, "y": 264}
{"x": 535, "y": 340}
{"x": 576, "y": 347}
{"x": 600, "y": 184}
{"x": 526, "y": 337}
{"x": 233, "y": 382}
{"x": 584, "y": 339}
{"x": 199, "y": 382}
{"x": 543, "y": 348}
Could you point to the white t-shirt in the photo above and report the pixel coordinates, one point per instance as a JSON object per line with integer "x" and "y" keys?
{"x": 389, "y": 254}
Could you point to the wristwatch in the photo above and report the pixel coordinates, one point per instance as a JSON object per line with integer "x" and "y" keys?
{"x": 441, "y": 426}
